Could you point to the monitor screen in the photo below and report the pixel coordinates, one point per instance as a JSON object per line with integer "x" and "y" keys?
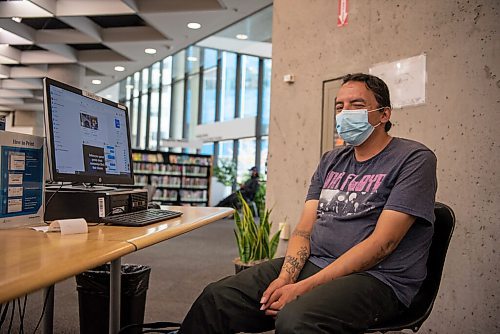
{"x": 88, "y": 136}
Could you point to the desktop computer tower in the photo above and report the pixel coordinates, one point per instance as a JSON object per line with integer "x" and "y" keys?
{"x": 92, "y": 205}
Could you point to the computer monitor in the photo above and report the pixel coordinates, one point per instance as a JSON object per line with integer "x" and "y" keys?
{"x": 88, "y": 137}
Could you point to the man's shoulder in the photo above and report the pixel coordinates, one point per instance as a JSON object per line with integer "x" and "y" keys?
{"x": 407, "y": 149}
{"x": 409, "y": 145}
{"x": 338, "y": 151}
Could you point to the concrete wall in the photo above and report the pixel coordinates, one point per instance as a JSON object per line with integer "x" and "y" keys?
{"x": 460, "y": 122}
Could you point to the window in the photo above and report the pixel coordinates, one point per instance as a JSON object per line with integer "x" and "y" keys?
{"x": 166, "y": 74}
{"x": 207, "y": 148}
{"x": 178, "y": 65}
{"x": 166, "y": 96}
{"x": 228, "y": 86}
{"x": 209, "y": 91}
{"x": 134, "y": 118}
{"x": 209, "y": 58}
{"x": 155, "y": 76}
{"x": 136, "y": 84}
{"x": 193, "y": 88}
{"x": 266, "y": 96}
{"x": 264, "y": 147}
{"x": 246, "y": 157}
{"x": 176, "y": 119}
{"x": 128, "y": 104}
{"x": 153, "y": 120}
{"x": 249, "y": 86}
{"x": 144, "y": 121}
{"x": 145, "y": 80}
{"x": 226, "y": 150}
{"x": 168, "y": 93}
{"x": 193, "y": 60}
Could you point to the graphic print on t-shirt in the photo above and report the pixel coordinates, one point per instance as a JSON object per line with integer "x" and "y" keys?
{"x": 347, "y": 194}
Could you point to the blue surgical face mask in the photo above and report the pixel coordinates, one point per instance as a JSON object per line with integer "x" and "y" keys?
{"x": 353, "y": 126}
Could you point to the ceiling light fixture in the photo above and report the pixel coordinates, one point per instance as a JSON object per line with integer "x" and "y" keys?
{"x": 96, "y": 82}
{"x": 119, "y": 68}
{"x": 192, "y": 58}
{"x": 242, "y": 36}
{"x": 194, "y": 25}
{"x": 17, "y": 19}
{"x": 150, "y": 51}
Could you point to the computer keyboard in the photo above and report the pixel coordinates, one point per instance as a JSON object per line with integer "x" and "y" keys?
{"x": 140, "y": 218}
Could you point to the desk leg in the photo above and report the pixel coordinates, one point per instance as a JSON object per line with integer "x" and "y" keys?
{"x": 48, "y": 316}
{"x": 114, "y": 296}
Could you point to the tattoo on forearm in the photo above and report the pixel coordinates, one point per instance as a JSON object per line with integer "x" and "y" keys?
{"x": 378, "y": 257}
{"x": 293, "y": 265}
{"x": 302, "y": 233}
{"x": 303, "y": 254}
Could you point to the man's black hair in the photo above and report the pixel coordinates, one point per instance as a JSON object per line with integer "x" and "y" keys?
{"x": 377, "y": 86}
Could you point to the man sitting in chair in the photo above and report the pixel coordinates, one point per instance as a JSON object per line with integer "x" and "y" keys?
{"x": 247, "y": 190}
{"x": 358, "y": 254}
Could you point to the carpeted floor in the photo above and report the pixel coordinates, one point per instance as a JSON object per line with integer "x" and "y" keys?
{"x": 181, "y": 267}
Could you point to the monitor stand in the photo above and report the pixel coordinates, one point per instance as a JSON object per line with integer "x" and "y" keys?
{"x": 90, "y": 188}
{"x": 82, "y": 187}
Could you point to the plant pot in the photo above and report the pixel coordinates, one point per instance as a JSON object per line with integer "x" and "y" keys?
{"x": 239, "y": 266}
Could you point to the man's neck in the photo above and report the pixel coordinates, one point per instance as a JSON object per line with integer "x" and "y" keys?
{"x": 372, "y": 146}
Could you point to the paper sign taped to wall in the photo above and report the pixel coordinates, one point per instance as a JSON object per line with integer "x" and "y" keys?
{"x": 406, "y": 79}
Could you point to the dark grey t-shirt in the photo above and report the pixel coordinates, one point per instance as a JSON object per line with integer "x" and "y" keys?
{"x": 352, "y": 196}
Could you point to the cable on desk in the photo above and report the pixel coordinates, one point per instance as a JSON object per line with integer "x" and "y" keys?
{"x": 49, "y": 291}
{"x": 48, "y": 201}
{"x": 112, "y": 212}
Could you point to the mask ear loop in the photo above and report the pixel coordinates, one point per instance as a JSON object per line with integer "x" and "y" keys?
{"x": 376, "y": 110}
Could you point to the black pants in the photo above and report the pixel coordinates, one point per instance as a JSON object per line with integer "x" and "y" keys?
{"x": 231, "y": 201}
{"x": 348, "y": 304}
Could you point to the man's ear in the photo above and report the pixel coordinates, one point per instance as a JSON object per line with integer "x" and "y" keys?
{"x": 386, "y": 115}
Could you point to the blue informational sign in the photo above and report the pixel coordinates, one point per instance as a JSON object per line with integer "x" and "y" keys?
{"x": 21, "y": 179}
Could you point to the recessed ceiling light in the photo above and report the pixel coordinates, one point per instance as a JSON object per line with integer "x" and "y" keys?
{"x": 96, "y": 82}
{"x": 194, "y": 25}
{"x": 17, "y": 19}
{"x": 119, "y": 68}
{"x": 108, "y": 96}
{"x": 241, "y": 36}
{"x": 150, "y": 51}
{"x": 192, "y": 58}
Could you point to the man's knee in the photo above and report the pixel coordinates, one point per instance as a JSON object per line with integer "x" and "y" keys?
{"x": 295, "y": 318}
{"x": 290, "y": 319}
{"x": 212, "y": 291}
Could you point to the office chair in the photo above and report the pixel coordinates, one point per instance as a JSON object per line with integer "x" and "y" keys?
{"x": 421, "y": 306}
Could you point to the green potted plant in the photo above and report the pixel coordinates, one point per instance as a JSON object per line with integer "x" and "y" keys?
{"x": 253, "y": 239}
{"x": 225, "y": 172}
{"x": 260, "y": 198}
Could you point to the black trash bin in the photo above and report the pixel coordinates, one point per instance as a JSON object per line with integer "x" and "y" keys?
{"x": 93, "y": 297}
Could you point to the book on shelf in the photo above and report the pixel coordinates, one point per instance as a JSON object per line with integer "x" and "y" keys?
{"x": 179, "y": 178}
